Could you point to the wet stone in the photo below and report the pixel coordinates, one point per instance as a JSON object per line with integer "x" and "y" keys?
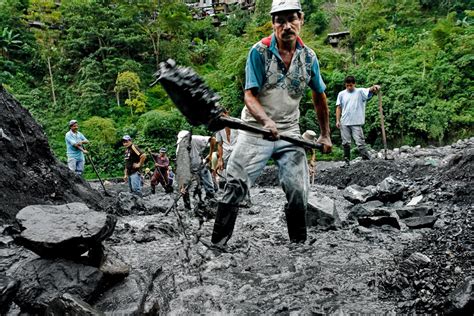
{"x": 42, "y": 280}
{"x": 420, "y": 222}
{"x": 357, "y": 194}
{"x": 378, "y": 221}
{"x": 390, "y": 190}
{"x": 418, "y": 259}
{"x": 65, "y": 231}
{"x": 415, "y": 200}
{"x": 372, "y": 208}
{"x": 415, "y": 211}
{"x": 322, "y": 213}
{"x": 8, "y": 289}
{"x": 68, "y": 304}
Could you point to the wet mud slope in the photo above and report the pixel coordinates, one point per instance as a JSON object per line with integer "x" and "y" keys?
{"x": 29, "y": 172}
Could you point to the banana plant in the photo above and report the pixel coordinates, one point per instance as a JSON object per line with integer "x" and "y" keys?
{"x": 8, "y": 41}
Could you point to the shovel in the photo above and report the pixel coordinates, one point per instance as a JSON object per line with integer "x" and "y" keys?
{"x": 200, "y": 105}
{"x": 95, "y": 170}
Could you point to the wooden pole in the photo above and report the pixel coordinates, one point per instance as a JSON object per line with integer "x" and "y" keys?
{"x": 382, "y": 124}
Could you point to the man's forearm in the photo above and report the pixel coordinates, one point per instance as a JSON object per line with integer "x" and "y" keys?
{"x": 322, "y": 111}
{"x": 220, "y": 151}
{"x": 255, "y": 108}
{"x": 338, "y": 113}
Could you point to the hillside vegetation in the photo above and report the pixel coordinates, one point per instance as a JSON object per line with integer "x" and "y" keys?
{"x": 93, "y": 60}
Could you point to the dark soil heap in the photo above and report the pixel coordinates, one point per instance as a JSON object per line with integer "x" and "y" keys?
{"x": 30, "y": 174}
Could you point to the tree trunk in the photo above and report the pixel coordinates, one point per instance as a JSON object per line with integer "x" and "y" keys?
{"x": 117, "y": 95}
{"x": 52, "y": 82}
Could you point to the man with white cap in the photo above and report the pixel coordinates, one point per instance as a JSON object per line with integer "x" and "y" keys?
{"x": 278, "y": 71}
{"x": 134, "y": 160}
{"x": 74, "y": 148}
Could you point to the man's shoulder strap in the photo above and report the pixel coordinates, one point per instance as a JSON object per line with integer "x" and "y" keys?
{"x": 135, "y": 149}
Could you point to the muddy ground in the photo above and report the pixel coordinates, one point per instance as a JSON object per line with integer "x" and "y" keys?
{"x": 353, "y": 269}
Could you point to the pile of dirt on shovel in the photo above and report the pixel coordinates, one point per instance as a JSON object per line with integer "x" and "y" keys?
{"x": 30, "y": 174}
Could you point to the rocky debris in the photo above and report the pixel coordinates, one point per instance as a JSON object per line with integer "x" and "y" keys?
{"x": 415, "y": 211}
{"x": 129, "y": 297}
{"x": 322, "y": 213}
{"x": 461, "y": 300}
{"x": 420, "y": 222}
{"x": 8, "y": 289}
{"x": 130, "y": 204}
{"x": 268, "y": 177}
{"x": 378, "y": 221}
{"x": 372, "y": 208}
{"x": 28, "y": 162}
{"x": 68, "y": 304}
{"x": 417, "y": 259}
{"x": 42, "y": 280}
{"x": 390, "y": 190}
{"x": 357, "y": 194}
{"x": 65, "y": 231}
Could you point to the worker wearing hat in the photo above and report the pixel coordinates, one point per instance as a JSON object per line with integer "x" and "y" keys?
{"x": 279, "y": 69}
{"x": 74, "y": 148}
{"x": 134, "y": 160}
{"x": 160, "y": 175}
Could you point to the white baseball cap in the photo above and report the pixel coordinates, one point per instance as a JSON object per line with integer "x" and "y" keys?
{"x": 285, "y": 5}
{"x": 181, "y": 135}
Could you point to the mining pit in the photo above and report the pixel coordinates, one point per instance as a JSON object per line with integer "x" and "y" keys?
{"x": 385, "y": 236}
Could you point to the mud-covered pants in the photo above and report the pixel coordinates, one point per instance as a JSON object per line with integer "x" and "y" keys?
{"x": 160, "y": 175}
{"x": 247, "y": 161}
{"x": 357, "y": 133}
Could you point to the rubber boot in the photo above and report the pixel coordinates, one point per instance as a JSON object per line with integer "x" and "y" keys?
{"x": 153, "y": 191}
{"x": 296, "y": 222}
{"x": 364, "y": 153}
{"x": 347, "y": 154}
{"x": 224, "y": 224}
{"x": 187, "y": 201}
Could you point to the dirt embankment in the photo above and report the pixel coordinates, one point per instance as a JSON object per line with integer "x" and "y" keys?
{"x": 30, "y": 174}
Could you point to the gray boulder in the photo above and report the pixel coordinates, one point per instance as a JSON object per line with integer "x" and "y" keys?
{"x": 378, "y": 221}
{"x": 322, "y": 213}
{"x": 68, "y": 304}
{"x": 390, "y": 190}
{"x": 414, "y": 211}
{"x": 42, "y": 280}
{"x": 357, "y": 194}
{"x": 65, "y": 231}
{"x": 8, "y": 289}
{"x": 372, "y": 208}
{"x": 420, "y": 222}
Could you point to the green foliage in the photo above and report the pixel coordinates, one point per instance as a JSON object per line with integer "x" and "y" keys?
{"x": 94, "y": 53}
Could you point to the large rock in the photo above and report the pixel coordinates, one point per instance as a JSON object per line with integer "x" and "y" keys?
{"x": 414, "y": 211}
{"x": 42, "y": 280}
{"x": 461, "y": 300}
{"x": 65, "y": 231}
{"x": 30, "y": 174}
{"x": 68, "y": 304}
{"x": 322, "y": 213}
{"x": 420, "y": 222}
{"x": 372, "y": 208}
{"x": 357, "y": 194}
{"x": 8, "y": 289}
{"x": 390, "y": 190}
{"x": 378, "y": 221}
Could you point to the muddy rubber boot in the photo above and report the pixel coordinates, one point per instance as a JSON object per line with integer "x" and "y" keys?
{"x": 153, "y": 191}
{"x": 224, "y": 223}
{"x": 296, "y": 223}
{"x": 187, "y": 201}
{"x": 364, "y": 153}
{"x": 347, "y": 154}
